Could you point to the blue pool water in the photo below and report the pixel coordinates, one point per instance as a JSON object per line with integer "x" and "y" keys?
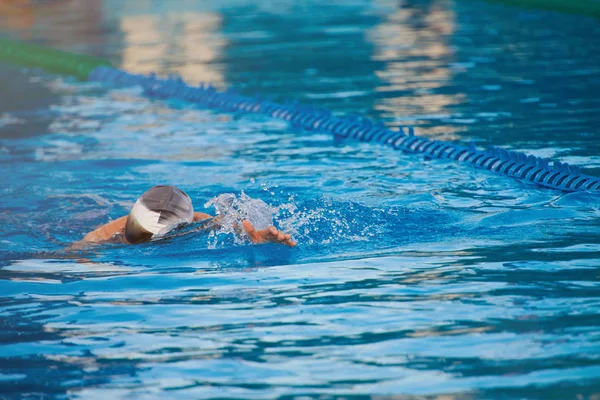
{"x": 419, "y": 278}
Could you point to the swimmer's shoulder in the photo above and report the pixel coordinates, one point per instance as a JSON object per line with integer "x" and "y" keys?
{"x": 107, "y": 231}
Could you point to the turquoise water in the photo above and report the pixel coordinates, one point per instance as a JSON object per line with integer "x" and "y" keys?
{"x": 419, "y": 278}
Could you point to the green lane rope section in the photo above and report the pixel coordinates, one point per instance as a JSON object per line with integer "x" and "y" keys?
{"x": 60, "y": 62}
{"x": 589, "y": 8}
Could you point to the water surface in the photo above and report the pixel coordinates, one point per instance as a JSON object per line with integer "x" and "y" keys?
{"x": 412, "y": 277}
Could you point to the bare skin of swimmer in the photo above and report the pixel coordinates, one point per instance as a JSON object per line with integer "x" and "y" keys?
{"x": 105, "y": 232}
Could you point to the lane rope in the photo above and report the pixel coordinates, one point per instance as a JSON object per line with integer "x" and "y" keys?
{"x": 513, "y": 164}
{"x": 510, "y": 163}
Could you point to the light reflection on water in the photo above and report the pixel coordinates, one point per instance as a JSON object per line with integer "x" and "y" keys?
{"x": 414, "y": 278}
{"x": 413, "y": 44}
{"x": 189, "y": 43}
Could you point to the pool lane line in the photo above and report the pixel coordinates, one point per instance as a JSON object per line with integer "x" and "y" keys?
{"x": 509, "y": 163}
{"x": 514, "y": 164}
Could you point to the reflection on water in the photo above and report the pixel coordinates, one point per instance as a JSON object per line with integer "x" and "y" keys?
{"x": 189, "y": 44}
{"x": 60, "y": 23}
{"x": 16, "y": 14}
{"x": 412, "y": 42}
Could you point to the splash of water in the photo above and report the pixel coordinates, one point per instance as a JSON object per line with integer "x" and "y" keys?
{"x": 317, "y": 222}
{"x": 324, "y": 222}
{"x": 232, "y": 210}
{"x": 235, "y": 210}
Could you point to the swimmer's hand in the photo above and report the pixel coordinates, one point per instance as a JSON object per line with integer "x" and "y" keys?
{"x": 271, "y": 234}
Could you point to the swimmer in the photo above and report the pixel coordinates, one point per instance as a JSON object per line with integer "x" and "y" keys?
{"x": 162, "y": 209}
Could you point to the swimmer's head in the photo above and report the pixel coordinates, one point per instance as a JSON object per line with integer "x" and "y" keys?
{"x": 156, "y": 212}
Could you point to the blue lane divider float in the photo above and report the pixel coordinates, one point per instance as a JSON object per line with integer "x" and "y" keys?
{"x": 510, "y": 163}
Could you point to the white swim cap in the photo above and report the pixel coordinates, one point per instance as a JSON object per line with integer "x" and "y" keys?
{"x": 159, "y": 210}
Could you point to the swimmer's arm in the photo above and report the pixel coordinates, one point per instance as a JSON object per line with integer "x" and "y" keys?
{"x": 198, "y": 216}
{"x": 105, "y": 232}
{"x": 270, "y": 234}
